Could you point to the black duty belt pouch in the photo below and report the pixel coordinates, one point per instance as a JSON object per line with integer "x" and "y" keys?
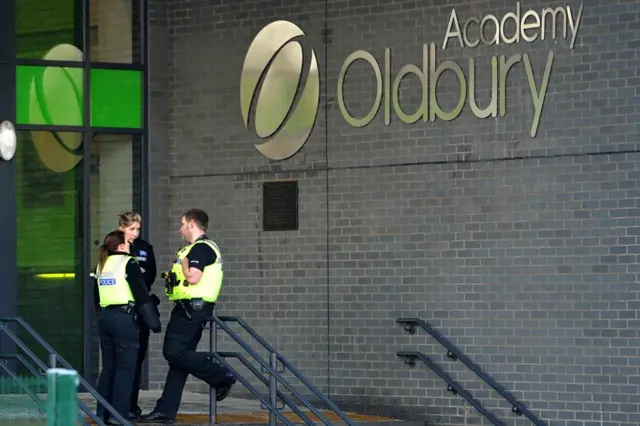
{"x": 197, "y": 304}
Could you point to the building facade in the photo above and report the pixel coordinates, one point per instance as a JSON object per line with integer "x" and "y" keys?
{"x": 472, "y": 164}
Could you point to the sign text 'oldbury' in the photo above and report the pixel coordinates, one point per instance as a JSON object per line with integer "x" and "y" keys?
{"x": 524, "y": 26}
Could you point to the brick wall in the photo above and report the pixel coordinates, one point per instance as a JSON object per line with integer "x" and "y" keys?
{"x": 520, "y": 250}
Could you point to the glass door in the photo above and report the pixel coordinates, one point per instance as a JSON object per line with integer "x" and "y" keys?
{"x": 116, "y": 186}
{"x": 76, "y": 82}
{"x": 50, "y": 242}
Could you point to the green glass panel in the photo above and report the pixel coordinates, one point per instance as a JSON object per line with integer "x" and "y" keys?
{"x": 42, "y": 25}
{"x": 116, "y": 98}
{"x": 49, "y": 95}
{"x": 49, "y": 196}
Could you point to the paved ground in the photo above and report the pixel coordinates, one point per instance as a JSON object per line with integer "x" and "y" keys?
{"x": 195, "y": 408}
{"x": 21, "y": 410}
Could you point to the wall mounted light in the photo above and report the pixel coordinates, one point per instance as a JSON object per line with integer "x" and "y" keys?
{"x": 7, "y": 140}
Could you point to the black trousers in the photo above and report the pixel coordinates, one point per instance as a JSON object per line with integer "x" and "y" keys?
{"x": 179, "y": 349}
{"x": 142, "y": 353}
{"x": 119, "y": 344}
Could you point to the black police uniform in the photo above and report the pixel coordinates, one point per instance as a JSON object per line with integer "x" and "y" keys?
{"x": 180, "y": 343}
{"x": 143, "y": 252}
{"x": 119, "y": 341}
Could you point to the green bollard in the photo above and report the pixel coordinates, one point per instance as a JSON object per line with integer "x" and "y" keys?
{"x": 62, "y": 401}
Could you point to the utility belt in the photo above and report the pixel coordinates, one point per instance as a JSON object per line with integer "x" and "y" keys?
{"x": 192, "y": 305}
{"x": 128, "y": 309}
{"x": 196, "y": 304}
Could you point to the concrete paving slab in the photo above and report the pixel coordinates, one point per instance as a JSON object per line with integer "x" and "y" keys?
{"x": 21, "y": 410}
{"x": 194, "y": 410}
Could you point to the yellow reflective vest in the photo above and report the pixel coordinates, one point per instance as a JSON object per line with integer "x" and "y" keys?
{"x": 113, "y": 286}
{"x": 208, "y": 288}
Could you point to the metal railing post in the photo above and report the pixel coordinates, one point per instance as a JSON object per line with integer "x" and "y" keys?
{"x": 273, "y": 387}
{"x": 213, "y": 348}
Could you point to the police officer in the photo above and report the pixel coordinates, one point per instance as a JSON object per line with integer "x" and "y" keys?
{"x": 193, "y": 285}
{"x": 142, "y": 251}
{"x": 120, "y": 295}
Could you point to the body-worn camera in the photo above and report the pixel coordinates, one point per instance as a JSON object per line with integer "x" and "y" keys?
{"x": 171, "y": 281}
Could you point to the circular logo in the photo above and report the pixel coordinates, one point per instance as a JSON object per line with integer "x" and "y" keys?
{"x": 272, "y": 73}
{"x": 56, "y": 97}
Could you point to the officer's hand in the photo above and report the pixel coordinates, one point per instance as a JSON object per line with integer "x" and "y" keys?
{"x": 155, "y": 299}
{"x": 158, "y": 329}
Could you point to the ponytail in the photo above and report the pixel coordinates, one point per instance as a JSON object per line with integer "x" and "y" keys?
{"x": 102, "y": 257}
{"x": 111, "y": 243}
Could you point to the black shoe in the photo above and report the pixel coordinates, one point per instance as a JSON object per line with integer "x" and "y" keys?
{"x": 155, "y": 418}
{"x": 133, "y": 416}
{"x": 224, "y": 389}
{"x": 137, "y": 412}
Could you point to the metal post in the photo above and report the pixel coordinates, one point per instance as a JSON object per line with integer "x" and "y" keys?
{"x": 273, "y": 386}
{"x": 213, "y": 347}
{"x": 52, "y": 361}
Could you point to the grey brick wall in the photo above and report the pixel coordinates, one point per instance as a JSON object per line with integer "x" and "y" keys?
{"x": 520, "y": 250}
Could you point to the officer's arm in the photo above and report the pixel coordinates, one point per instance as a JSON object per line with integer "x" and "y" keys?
{"x": 96, "y": 295}
{"x": 151, "y": 270}
{"x": 200, "y": 256}
{"x": 136, "y": 284}
{"x": 144, "y": 304}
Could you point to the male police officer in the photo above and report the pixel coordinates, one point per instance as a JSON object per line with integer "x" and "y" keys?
{"x": 194, "y": 284}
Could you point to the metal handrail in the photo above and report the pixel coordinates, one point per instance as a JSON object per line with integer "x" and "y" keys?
{"x": 41, "y": 406}
{"x": 35, "y": 397}
{"x": 455, "y": 354}
{"x": 294, "y": 407}
{"x": 269, "y": 369}
{"x": 287, "y": 365}
{"x": 64, "y": 363}
{"x": 24, "y": 362}
{"x": 452, "y": 386}
{"x": 43, "y": 369}
{"x": 251, "y": 388}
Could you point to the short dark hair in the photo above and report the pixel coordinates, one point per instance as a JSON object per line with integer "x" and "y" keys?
{"x": 199, "y": 217}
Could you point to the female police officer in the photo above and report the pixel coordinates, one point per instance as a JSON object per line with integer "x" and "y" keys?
{"x": 120, "y": 294}
{"x": 142, "y": 251}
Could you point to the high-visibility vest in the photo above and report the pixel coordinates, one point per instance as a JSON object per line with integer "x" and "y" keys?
{"x": 208, "y": 288}
{"x": 113, "y": 286}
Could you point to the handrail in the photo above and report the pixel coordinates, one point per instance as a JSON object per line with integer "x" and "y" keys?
{"x": 41, "y": 405}
{"x": 220, "y": 323}
{"x": 294, "y": 407}
{"x": 251, "y": 388}
{"x": 24, "y": 362}
{"x": 452, "y": 385}
{"x": 287, "y": 365}
{"x": 34, "y": 396}
{"x": 43, "y": 368}
{"x": 454, "y": 353}
{"x": 64, "y": 363}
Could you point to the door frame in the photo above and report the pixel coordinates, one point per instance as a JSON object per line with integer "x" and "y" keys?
{"x": 89, "y": 338}
{"x": 9, "y": 212}
{"x": 8, "y": 170}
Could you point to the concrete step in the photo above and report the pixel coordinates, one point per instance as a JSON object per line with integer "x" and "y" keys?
{"x": 262, "y": 418}
{"x": 194, "y": 410}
